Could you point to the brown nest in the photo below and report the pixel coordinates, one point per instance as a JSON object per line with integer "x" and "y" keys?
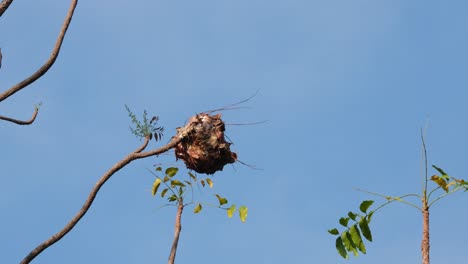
{"x": 204, "y": 148}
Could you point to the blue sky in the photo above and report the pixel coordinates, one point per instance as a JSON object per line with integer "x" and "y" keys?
{"x": 345, "y": 87}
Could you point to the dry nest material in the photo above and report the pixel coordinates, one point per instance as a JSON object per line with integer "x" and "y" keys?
{"x": 204, "y": 148}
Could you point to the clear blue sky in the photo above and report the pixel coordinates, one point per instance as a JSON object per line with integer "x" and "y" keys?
{"x": 345, "y": 87}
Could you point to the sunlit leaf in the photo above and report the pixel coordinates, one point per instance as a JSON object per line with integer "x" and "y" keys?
{"x": 221, "y": 200}
{"x": 439, "y": 181}
{"x": 365, "y": 205}
{"x": 198, "y": 208}
{"x": 171, "y": 171}
{"x": 356, "y": 238}
{"x": 344, "y": 221}
{"x": 347, "y": 242}
{"x": 352, "y": 215}
{"x": 231, "y": 210}
{"x": 156, "y": 185}
{"x": 177, "y": 183}
{"x": 210, "y": 182}
{"x": 369, "y": 216}
{"x": 333, "y": 231}
{"x": 364, "y": 225}
{"x": 164, "y": 192}
{"x": 158, "y": 169}
{"x": 341, "y": 248}
{"x": 243, "y": 211}
{"x": 166, "y": 178}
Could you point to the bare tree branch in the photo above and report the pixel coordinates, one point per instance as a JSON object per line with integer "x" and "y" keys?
{"x": 178, "y": 227}
{"x": 49, "y": 62}
{"x": 21, "y": 122}
{"x": 137, "y": 154}
{"x": 4, "y": 6}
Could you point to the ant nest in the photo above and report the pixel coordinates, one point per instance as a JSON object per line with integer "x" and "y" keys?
{"x": 204, "y": 149}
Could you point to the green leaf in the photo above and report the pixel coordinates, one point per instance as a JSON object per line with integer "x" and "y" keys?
{"x": 171, "y": 171}
{"x": 158, "y": 169}
{"x": 198, "y": 208}
{"x": 344, "y": 221}
{"x": 181, "y": 191}
{"x": 192, "y": 176}
{"x": 333, "y": 231}
{"x": 341, "y": 248}
{"x": 164, "y": 192}
{"x": 439, "y": 181}
{"x": 221, "y": 200}
{"x": 439, "y": 170}
{"x": 172, "y": 198}
{"x": 356, "y": 238}
{"x": 243, "y": 213}
{"x": 369, "y": 216}
{"x": 166, "y": 178}
{"x": 176, "y": 183}
{"x": 352, "y": 216}
{"x": 231, "y": 210}
{"x": 365, "y": 205}
{"x": 347, "y": 242}
{"x": 188, "y": 183}
{"x": 202, "y": 183}
{"x": 210, "y": 182}
{"x": 156, "y": 185}
{"x": 364, "y": 225}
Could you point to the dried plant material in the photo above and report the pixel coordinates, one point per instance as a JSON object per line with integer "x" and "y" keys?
{"x": 204, "y": 149}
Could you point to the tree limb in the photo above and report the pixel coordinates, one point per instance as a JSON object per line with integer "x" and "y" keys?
{"x": 178, "y": 228}
{"x": 55, "y": 52}
{"x": 137, "y": 154}
{"x": 21, "y": 122}
{"x": 4, "y": 6}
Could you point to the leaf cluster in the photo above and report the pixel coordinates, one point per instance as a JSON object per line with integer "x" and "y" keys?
{"x": 174, "y": 191}
{"x": 145, "y": 128}
{"x": 448, "y": 183}
{"x": 350, "y": 240}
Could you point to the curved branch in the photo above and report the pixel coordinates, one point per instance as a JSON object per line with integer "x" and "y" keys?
{"x": 53, "y": 56}
{"x": 21, "y": 122}
{"x": 4, "y": 6}
{"x": 137, "y": 154}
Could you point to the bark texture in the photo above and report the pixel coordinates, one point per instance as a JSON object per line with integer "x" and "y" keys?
{"x": 178, "y": 228}
{"x": 425, "y": 240}
{"x": 4, "y": 6}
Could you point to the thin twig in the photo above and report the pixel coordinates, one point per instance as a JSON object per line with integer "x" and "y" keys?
{"x": 137, "y": 154}
{"x": 55, "y": 52}
{"x": 21, "y": 122}
{"x": 4, "y": 6}
{"x": 393, "y": 198}
{"x": 425, "y": 163}
{"x": 443, "y": 195}
{"x": 230, "y": 107}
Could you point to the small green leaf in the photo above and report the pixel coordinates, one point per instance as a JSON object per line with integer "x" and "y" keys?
{"x": 356, "y": 238}
{"x": 365, "y": 205}
{"x": 192, "y": 176}
{"x": 344, "y": 221}
{"x": 164, "y": 192}
{"x": 210, "y": 182}
{"x": 171, "y": 171}
{"x": 166, "y": 178}
{"x": 243, "y": 213}
{"x": 364, "y": 225}
{"x": 156, "y": 185}
{"x": 221, "y": 200}
{"x": 172, "y": 198}
{"x": 188, "y": 183}
{"x": 176, "y": 183}
{"x": 202, "y": 183}
{"x": 198, "y": 208}
{"x": 341, "y": 248}
{"x": 181, "y": 191}
{"x": 439, "y": 170}
{"x": 231, "y": 210}
{"x": 347, "y": 242}
{"x": 352, "y": 216}
{"x": 158, "y": 169}
{"x": 333, "y": 231}
{"x": 369, "y": 216}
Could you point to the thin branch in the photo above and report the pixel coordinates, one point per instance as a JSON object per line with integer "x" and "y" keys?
{"x": 137, "y": 154}
{"x": 394, "y": 198}
{"x": 178, "y": 228}
{"x": 425, "y": 162}
{"x": 4, "y": 6}
{"x": 443, "y": 195}
{"x": 231, "y": 106}
{"x": 55, "y": 52}
{"x": 21, "y": 122}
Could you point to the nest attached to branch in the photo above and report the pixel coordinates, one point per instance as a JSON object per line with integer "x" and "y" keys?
{"x": 204, "y": 148}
